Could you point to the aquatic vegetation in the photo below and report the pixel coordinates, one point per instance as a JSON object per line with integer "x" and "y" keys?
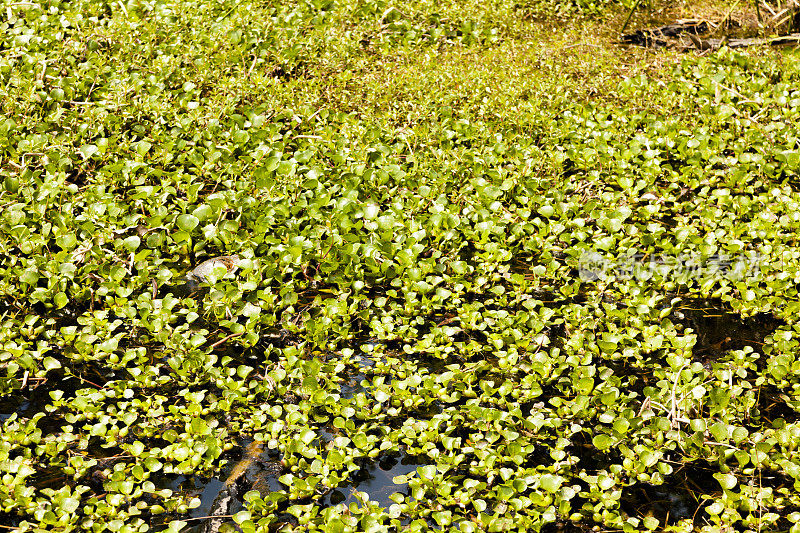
{"x": 358, "y": 266}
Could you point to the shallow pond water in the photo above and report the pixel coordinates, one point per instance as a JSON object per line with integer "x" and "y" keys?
{"x": 678, "y": 498}
{"x": 221, "y": 497}
{"x": 719, "y": 330}
{"x": 376, "y": 480}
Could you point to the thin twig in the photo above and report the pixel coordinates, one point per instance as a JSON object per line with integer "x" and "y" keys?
{"x": 785, "y": 19}
{"x": 673, "y": 414}
{"x": 208, "y": 517}
{"x": 32, "y": 154}
{"x": 82, "y": 379}
{"x": 713, "y": 443}
{"x": 80, "y": 102}
{"x": 252, "y": 65}
{"x": 744, "y": 100}
{"x": 255, "y": 58}
{"x": 229, "y": 337}
{"x": 579, "y": 44}
{"x": 314, "y": 114}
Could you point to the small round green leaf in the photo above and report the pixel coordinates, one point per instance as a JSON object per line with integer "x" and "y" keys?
{"x": 187, "y": 222}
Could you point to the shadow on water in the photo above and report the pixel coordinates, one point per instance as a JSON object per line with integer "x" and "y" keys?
{"x": 719, "y": 330}
{"x": 563, "y": 526}
{"x": 680, "y": 497}
{"x": 356, "y": 380}
{"x": 17, "y": 403}
{"x": 376, "y": 479}
{"x": 775, "y": 407}
{"x": 251, "y": 467}
{"x": 208, "y": 491}
{"x": 34, "y": 397}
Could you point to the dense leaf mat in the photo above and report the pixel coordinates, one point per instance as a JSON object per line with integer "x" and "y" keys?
{"x": 411, "y": 189}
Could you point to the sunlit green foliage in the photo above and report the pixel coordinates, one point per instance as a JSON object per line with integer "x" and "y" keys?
{"x": 410, "y": 188}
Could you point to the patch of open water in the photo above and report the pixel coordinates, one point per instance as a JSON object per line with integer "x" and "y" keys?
{"x": 376, "y": 480}
{"x": 258, "y": 469}
{"x": 720, "y": 330}
{"x": 680, "y": 497}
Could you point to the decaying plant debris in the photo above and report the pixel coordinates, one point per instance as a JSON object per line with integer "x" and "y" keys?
{"x": 687, "y": 36}
{"x": 781, "y": 29}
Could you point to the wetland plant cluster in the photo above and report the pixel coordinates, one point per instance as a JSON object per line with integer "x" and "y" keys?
{"x": 409, "y": 189}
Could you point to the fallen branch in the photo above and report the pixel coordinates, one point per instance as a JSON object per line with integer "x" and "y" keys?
{"x": 656, "y": 37}
{"x": 714, "y": 44}
{"x": 670, "y": 35}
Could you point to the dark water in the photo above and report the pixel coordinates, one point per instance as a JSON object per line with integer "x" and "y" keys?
{"x": 356, "y": 380}
{"x": 208, "y": 490}
{"x": 34, "y": 397}
{"x": 13, "y": 404}
{"x": 374, "y": 478}
{"x": 678, "y": 498}
{"x": 720, "y": 330}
